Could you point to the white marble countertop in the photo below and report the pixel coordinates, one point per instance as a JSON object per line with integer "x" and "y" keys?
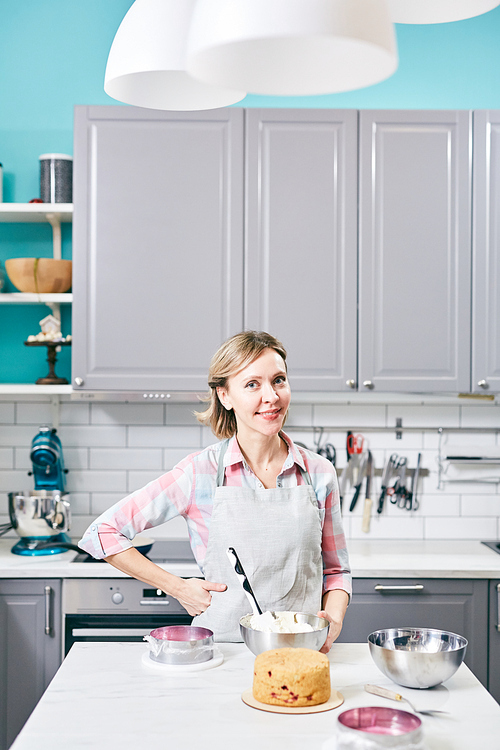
{"x": 104, "y": 696}
{"x": 369, "y": 559}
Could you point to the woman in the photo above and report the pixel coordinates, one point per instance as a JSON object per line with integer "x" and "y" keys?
{"x": 275, "y": 503}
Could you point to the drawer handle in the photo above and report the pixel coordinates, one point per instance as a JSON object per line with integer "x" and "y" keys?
{"x": 48, "y": 613}
{"x": 154, "y": 602}
{"x": 413, "y": 587}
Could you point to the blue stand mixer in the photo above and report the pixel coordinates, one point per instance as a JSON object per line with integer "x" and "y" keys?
{"x": 42, "y": 517}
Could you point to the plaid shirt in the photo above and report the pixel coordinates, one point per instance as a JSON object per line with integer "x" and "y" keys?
{"x": 188, "y": 490}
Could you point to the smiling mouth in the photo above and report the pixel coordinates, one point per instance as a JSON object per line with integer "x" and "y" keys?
{"x": 271, "y": 413}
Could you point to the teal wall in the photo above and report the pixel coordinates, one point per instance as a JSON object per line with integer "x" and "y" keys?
{"x": 53, "y": 55}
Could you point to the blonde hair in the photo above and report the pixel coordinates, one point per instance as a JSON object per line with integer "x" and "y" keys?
{"x": 234, "y": 354}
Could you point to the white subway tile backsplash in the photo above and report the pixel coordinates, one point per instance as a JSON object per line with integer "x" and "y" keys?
{"x": 6, "y": 458}
{"x": 387, "y": 440}
{"x": 12, "y": 435}
{"x": 172, "y": 456}
{"x": 174, "y": 529}
{"x": 101, "y": 501}
{"x": 480, "y": 416}
{"x": 165, "y": 437}
{"x": 299, "y": 415}
{"x": 207, "y": 437}
{"x": 480, "y": 505}
{"x": 79, "y": 503}
{"x": 424, "y": 416}
{"x": 7, "y": 412}
{"x": 97, "y": 481}
{"x": 406, "y": 526}
{"x": 182, "y": 414}
{"x": 126, "y": 458}
{"x": 460, "y": 528}
{"x": 350, "y": 416}
{"x": 34, "y": 414}
{"x": 138, "y": 414}
{"x": 79, "y": 525}
{"x": 439, "y": 505}
{"x": 113, "y": 449}
{"x": 138, "y": 479}
{"x": 15, "y": 481}
{"x": 92, "y": 435}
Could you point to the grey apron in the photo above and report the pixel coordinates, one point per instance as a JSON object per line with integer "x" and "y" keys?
{"x": 277, "y": 535}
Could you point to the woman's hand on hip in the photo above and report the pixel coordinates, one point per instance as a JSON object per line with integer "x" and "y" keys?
{"x": 194, "y": 594}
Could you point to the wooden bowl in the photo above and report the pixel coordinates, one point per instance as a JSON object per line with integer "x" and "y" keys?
{"x": 41, "y": 275}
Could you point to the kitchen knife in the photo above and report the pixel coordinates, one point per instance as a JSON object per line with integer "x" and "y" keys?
{"x": 413, "y": 492}
{"x": 385, "y": 481}
{"x": 361, "y": 476}
{"x": 347, "y": 475}
{"x": 238, "y": 569}
{"x": 367, "y": 509}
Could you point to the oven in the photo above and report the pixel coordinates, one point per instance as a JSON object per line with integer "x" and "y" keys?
{"x": 121, "y": 609}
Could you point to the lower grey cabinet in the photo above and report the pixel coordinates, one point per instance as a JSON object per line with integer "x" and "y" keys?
{"x": 457, "y": 605}
{"x": 494, "y": 641}
{"x": 30, "y": 649}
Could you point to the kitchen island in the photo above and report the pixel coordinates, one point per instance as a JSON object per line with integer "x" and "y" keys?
{"x": 104, "y": 696}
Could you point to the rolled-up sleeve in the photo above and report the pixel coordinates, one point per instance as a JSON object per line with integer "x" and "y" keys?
{"x": 336, "y": 568}
{"x": 157, "y": 502}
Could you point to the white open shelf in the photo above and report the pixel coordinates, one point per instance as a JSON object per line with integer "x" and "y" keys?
{"x": 30, "y": 389}
{"x": 30, "y": 298}
{"x": 35, "y": 212}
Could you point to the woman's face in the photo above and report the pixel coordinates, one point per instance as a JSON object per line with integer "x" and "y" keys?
{"x": 259, "y": 394}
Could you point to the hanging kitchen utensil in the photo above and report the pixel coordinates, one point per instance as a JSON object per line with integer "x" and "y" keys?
{"x": 384, "y": 693}
{"x": 327, "y": 450}
{"x": 238, "y": 569}
{"x": 347, "y": 479}
{"x": 355, "y": 443}
{"x": 361, "y": 476}
{"x": 399, "y": 492}
{"x": 413, "y": 492}
{"x": 367, "y": 509}
{"x": 386, "y": 478}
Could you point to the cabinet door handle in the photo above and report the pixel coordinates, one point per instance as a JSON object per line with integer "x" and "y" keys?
{"x": 413, "y": 587}
{"x": 48, "y": 609}
{"x": 368, "y": 384}
{"x": 498, "y": 607}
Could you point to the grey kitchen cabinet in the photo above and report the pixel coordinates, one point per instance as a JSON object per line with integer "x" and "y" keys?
{"x": 415, "y": 250}
{"x": 301, "y": 240}
{"x": 494, "y": 641}
{"x": 30, "y": 648}
{"x": 157, "y": 245}
{"x": 457, "y": 605}
{"x": 486, "y": 252}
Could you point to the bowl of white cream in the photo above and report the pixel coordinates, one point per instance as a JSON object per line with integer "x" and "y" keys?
{"x": 272, "y": 630}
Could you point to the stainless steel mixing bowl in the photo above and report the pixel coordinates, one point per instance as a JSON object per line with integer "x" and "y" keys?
{"x": 39, "y": 512}
{"x": 257, "y": 641}
{"x": 417, "y": 657}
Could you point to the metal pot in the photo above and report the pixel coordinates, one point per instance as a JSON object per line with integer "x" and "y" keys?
{"x": 39, "y": 513}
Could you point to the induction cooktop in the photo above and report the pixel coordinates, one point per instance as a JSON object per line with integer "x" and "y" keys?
{"x": 162, "y": 551}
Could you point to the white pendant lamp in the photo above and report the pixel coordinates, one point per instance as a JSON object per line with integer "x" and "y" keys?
{"x": 146, "y": 63}
{"x": 438, "y": 11}
{"x": 291, "y": 47}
